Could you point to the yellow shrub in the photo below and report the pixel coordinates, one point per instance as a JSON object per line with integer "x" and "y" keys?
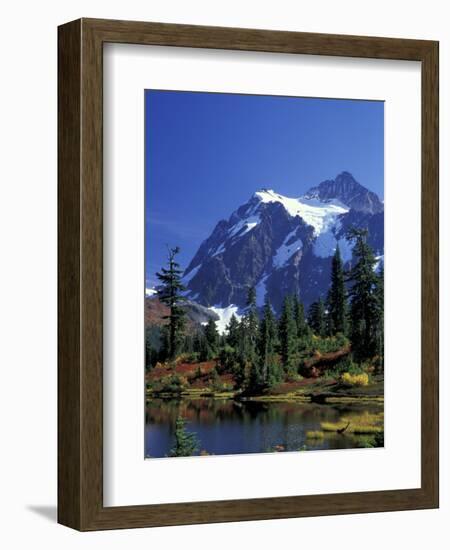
{"x": 355, "y": 379}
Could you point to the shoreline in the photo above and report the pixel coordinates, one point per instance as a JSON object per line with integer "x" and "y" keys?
{"x": 318, "y": 398}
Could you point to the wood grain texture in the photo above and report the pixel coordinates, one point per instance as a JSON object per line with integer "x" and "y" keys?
{"x": 69, "y": 248}
{"x": 80, "y": 328}
{"x": 430, "y": 272}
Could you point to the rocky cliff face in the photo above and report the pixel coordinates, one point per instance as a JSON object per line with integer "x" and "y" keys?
{"x": 350, "y": 192}
{"x": 283, "y": 245}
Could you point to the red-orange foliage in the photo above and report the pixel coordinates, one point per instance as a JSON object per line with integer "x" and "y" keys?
{"x": 189, "y": 371}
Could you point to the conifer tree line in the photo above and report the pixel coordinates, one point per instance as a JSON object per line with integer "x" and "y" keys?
{"x": 262, "y": 349}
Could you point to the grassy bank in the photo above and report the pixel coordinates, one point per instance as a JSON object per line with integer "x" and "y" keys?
{"x": 321, "y": 390}
{"x": 179, "y": 380}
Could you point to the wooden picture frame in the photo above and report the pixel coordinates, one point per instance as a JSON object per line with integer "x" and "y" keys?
{"x": 80, "y": 272}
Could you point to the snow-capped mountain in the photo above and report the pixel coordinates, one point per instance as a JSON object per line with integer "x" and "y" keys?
{"x": 345, "y": 187}
{"x": 283, "y": 245}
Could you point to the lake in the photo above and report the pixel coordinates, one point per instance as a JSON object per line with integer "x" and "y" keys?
{"x": 240, "y": 427}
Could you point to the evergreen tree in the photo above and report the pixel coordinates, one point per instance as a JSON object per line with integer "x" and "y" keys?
{"x": 363, "y": 297}
{"x": 203, "y": 349}
{"x": 212, "y": 338}
{"x": 337, "y": 297}
{"x": 200, "y": 345}
{"x": 232, "y": 356}
{"x": 379, "y": 293}
{"x": 186, "y": 444}
{"x": 188, "y": 344}
{"x": 317, "y": 318}
{"x": 299, "y": 315}
{"x": 288, "y": 337}
{"x": 152, "y": 345}
{"x": 240, "y": 369}
{"x": 215, "y": 379}
{"x": 232, "y": 335}
{"x": 250, "y": 326}
{"x": 169, "y": 293}
{"x": 149, "y": 357}
{"x": 222, "y": 340}
{"x": 266, "y": 346}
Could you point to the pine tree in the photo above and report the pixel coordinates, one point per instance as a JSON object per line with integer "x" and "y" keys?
{"x": 266, "y": 346}
{"x": 169, "y": 294}
{"x": 188, "y": 343}
{"x": 232, "y": 334}
{"x": 317, "y": 318}
{"x": 186, "y": 444}
{"x": 299, "y": 315}
{"x": 363, "y": 298}
{"x": 288, "y": 337}
{"x": 148, "y": 351}
{"x": 201, "y": 346}
{"x": 212, "y": 338}
{"x": 215, "y": 379}
{"x": 244, "y": 354}
{"x": 379, "y": 293}
{"x": 337, "y": 297}
{"x": 152, "y": 345}
{"x": 250, "y": 324}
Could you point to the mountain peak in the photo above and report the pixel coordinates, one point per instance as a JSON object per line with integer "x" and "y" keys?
{"x": 316, "y": 213}
{"x": 282, "y": 244}
{"x": 350, "y": 192}
{"x": 266, "y": 195}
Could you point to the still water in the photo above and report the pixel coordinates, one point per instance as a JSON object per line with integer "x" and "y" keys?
{"x": 231, "y": 427}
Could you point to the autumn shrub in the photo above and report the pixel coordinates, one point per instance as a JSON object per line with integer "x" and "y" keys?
{"x": 345, "y": 364}
{"x": 188, "y": 357}
{"x": 198, "y": 373}
{"x": 330, "y": 344}
{"x": 296, "y": 377}
{"x": 170, "y": 384}
{"x": 217, "y": 384}
{"x": 351, "y": 380}
{"x": 223, "y": 387}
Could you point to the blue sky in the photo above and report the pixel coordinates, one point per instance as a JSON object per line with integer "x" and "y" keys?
{"x": 206, "y": 154}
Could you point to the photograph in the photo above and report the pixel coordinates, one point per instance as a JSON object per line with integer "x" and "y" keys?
{"x": 264, "y": 274}
{"x": 228, "y": 337}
